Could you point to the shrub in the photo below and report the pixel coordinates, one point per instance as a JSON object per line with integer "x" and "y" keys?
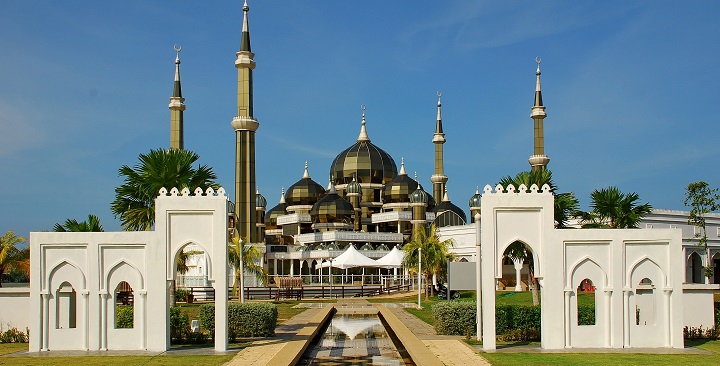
{"x": 700, "y": 333}
{"x": 455, "y": 317}
{"x": 13, "y": 335}
{"x": 512, "y": 322}
{"x": 586, "y": 314}
{"x": 244, "y": 320}
{"x": 181, "y": 294}
{"x": 124, "y": 316}
{"x": 179, "y": 324}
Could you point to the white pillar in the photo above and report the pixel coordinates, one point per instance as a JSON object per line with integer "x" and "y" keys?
{"x": 518, "y": 267}
{"x": 85, "y": 307}
{"x": 103, "y": 320}
{"x": 478, "y": 277}
{"x": 275, "y": 267}
{"x": 568, "y": 316}
{"x": 419, "y": 275}
{"x": 668, "y": 317}
{"x": 141, "y": 318}
{"x": 45, "y": 320}
{"x": 627, "y": 316}
{"x": 292, "y": 267}
{"x": 608, "y": 317}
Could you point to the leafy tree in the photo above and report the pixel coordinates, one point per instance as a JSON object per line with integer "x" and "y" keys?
{"x": 134, "y": 200}
{"x": 244, "y": 256}
{"x": 12, "y": 258}
{"x": 614, "y": 209}
{"x": 518, "y": 251}
{"x": 565, "y": 205}
{"x": 71, "y": 225}
{"x": 435, "y": 253}
{"x": 703, "y": 200}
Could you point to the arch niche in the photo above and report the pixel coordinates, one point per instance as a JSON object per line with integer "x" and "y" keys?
{"x": 583, "y": 326}
{"x": 65, "y": 312}
{"x": 647, "y": 306}
{"x": 125, "y": 287}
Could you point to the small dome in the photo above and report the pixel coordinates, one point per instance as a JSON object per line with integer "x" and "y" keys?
{"x": 448, "y": 214}
{"x": 260, "y": 201}
{"x": 475, "y": 199}
{"x": 305, "y": 191}
{"x": 364, "y": 162}
{"x": 272, "y": 215}
{"x": 430, "y": 199}
{"x": 353, "y": 187}
{"x": 419, "y": 196}
{"x": 399, "y": 188}
{"x": 332, "y": 208}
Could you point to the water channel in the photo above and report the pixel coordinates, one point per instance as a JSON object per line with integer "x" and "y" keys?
{"x": 350, "y": 339}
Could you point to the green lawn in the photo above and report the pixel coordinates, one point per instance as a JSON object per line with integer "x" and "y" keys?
{"x": 582, "y": 359}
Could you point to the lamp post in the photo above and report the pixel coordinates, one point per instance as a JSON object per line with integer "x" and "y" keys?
{"x": 419, "y": 275}
{"x": 242, "y": 273}
{"x": 330, "y": 276}
{"x": 478, "y": 276}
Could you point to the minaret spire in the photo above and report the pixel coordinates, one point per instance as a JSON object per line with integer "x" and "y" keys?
{"x": 245, "y": 126}
{"x": 177, "y": 106}
{"x": 439, "y": 179}
{"x": 538, "y": 160}
{"x": 363, "y": 132}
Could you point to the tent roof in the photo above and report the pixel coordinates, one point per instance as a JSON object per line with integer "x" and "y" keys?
{"x": 349, "y": 259}
{"x": 391, "y": 260}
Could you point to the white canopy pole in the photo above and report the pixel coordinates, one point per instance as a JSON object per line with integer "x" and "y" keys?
{"x": 419, "y": 275}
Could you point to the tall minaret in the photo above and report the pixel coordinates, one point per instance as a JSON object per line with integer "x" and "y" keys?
{"x": 177, "y": 106}
{"x": 538, "y": 160}
{"x": 245, "y": 126}
{"x": 439, "y": 178}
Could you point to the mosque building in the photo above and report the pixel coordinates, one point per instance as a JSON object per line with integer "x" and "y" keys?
{"x": 368, "y": 202}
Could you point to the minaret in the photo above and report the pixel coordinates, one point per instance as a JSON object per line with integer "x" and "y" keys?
{"x": 177, "y": 106}
{"x": 439, "y": 178}
{"x": 245, "y": 126}
{"x": 538, "y": 160}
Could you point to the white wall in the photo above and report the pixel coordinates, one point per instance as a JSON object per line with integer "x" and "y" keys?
{"x": 15, "y": 308}
{"x": 699, "y": 307}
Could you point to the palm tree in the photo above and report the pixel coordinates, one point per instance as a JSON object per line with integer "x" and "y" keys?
{"x": 243, "y": 258}
{"x": 565, "y": 205}
{"x": 71, "y": 225}
{"x": 435, "y": 253}
{"x": 134, "y": 200}
{"x": 11, "y": 257}
{"x": 518, "y": 251}
{"x": 614, "y": 209}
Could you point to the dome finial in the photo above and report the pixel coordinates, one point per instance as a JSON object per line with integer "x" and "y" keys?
{"x": 282, "y": 195}
{"x": 306, "y": 175}
{"x": 402, "y": 166}
{"x": 446, "y": 198}
{"x": 363, "y": 132}
{"x": 477, "y": 189}
{"x": 538, "y": 60}
{"x": 177, "y": 53}
{"x": 416, "y": 176}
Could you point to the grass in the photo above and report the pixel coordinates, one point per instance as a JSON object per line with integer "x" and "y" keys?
{"x": 583, "y": 359}
{"x": 162, "y": 359}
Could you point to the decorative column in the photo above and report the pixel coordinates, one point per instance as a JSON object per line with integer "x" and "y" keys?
{"x": 568, "y": 316}
{"x": 45, "y": 320}
{"x": 86, "y": 308}
{"x": 626, "y": 321}
{"x": 103, "y": 320}
{"x": 608, "y": 316}
{"x": 668, "y": 316}
{"x": 518, "y": 268}
{"x": 141, "y": 318}
{"x": 478, "y": 276}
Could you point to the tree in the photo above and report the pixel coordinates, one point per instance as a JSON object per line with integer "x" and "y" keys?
{"x": 243, "y": 257}
{"x": 518, "y": 251}
{"x": 565, "y": 204}
{"x": 614, "y": 209}
{"x": 12, "y": 258}
{"x": 703, "y": 200}
{"x": 71, "y": 225}
{"x": 435, "y": 253}
{"x": 134, "y": 200}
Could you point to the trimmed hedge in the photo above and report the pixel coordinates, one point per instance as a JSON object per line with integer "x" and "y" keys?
{"x": 586, "y": 314}
{"x": 458, "y": 318}
{"x": 244, "y": 320}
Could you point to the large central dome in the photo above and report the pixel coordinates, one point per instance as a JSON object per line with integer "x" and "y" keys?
{"x": 364, "y": 161}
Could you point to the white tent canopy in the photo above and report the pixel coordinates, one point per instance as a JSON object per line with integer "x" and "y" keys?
{"x": 349, "y": 259}
{"x": 393, "y": 259}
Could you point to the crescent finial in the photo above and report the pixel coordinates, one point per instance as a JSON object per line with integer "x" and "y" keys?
{"x": 538, "y": 60}
{"x": 439, "y": 94}
{"x": 177, "y": 48}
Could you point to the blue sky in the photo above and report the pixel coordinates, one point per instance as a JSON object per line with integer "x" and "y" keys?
{"x": 631, "y": 90}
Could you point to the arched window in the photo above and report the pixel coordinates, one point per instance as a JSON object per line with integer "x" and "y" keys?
{"x": 586, "y": 310}
{"x": 645, "y": 303}
{"x": 66, "y": 311}
{"x": 124, "y": 306}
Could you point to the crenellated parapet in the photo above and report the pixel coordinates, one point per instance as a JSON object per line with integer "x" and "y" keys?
{"x": 510, "y": 189}
{"x": 185, "y": 192}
